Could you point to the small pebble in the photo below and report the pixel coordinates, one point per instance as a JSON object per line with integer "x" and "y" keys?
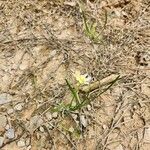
{"x": 27, "y": 141}
{"x": 21, "y": 143}
{"x": 74, "y": 116}
{"x": 89, "y": 107}
{"x": 1, "y": 140}
{"x": 10, "y": 111}
{"x": 83, "y": 120}
{"x": 53, "y": 53}
{"x": 7, "y": 127}
{"x": 10, "y": 133}
{"x": 41, "y": 129}
{"x": 48, "y": 116}
{"x": 104, "y": 127}
{"x": 54, "y": 115}
{"x": 18, "y": 107}
{"x": 4, "y": 98}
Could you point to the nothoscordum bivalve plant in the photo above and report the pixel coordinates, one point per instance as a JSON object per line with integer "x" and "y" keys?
{"x": 82, "y": 79}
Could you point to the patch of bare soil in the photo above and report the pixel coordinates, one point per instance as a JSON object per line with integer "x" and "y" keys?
{"x": 42, "y": 43}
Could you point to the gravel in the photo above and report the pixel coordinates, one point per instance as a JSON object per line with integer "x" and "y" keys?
{"x": 41, "y": 129}
{"x": 83, "y": 120}
{"x": 10, "y": 133}
{"x": 19, "y": 106}
{"x": 54, "y": 115}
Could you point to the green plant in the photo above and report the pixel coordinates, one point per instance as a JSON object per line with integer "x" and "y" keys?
{"x": 76, "y": 103}
{"x": 90, "y": 29}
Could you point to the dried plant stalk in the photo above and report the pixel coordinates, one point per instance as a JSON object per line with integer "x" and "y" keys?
{"x": 97, "y": 84}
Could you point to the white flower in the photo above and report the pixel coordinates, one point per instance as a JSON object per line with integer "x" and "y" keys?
{"x": 82, "y": 79}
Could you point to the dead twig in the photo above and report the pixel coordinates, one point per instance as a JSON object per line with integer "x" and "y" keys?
{"x": 97, "y": 84}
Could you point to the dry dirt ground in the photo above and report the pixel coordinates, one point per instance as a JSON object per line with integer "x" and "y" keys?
{"x": 42, "y": 42}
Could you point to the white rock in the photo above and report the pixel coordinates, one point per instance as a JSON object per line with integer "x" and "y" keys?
{"x": 1, "y": 140}
{"x": 83, "y": 120}
{"x": 3, "y": 121}
{"x": 89, "y": 107}
{"x": 10, "y": 111}
{"x": 104, "y": 126}
{"x": 4, "y": 98}
{"x": 23, "y": 66}
{"x": 18, "y": 106}
{"x": 21, "y": 143}
{"x": 54, "y": 115}
{"x": 74, "y": 116}
{"x": 10, "y": 133}
{"x": 41, "y": 129}
{"x": 7, "y": 126}
{"x": 27, "y": 141}
{"x": 48, "y": 116}
{"x": 53, "y": 53}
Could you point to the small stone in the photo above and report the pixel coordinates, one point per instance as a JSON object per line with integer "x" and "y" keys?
{"x": 10, "y": 133}
{"x": 41, "y": 129}
{"x": 74, "y": 116}
{"x": 104, "y": 127}
{"x": 35, "y": 122}
{"x": 10, "y": 111}
{"x": 21, "y": 143}
{"x": 48, "y": 116}
{"x": 54, "y": 115}
{"x": 89, "y": 107}
{"x": 18, "y": 106}
{"x": 7, "y": 127}
{"x": 83, "y": 120}
{"x": 27, "y": 141}
{"x": 1, "y": 140}
{"x": 53, "y": 53}
{"x": 4, "y": 98}
{"x": 3, "y": 122}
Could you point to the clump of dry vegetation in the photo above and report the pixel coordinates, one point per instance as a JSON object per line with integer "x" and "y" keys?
{"x": 44, "y": 105}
